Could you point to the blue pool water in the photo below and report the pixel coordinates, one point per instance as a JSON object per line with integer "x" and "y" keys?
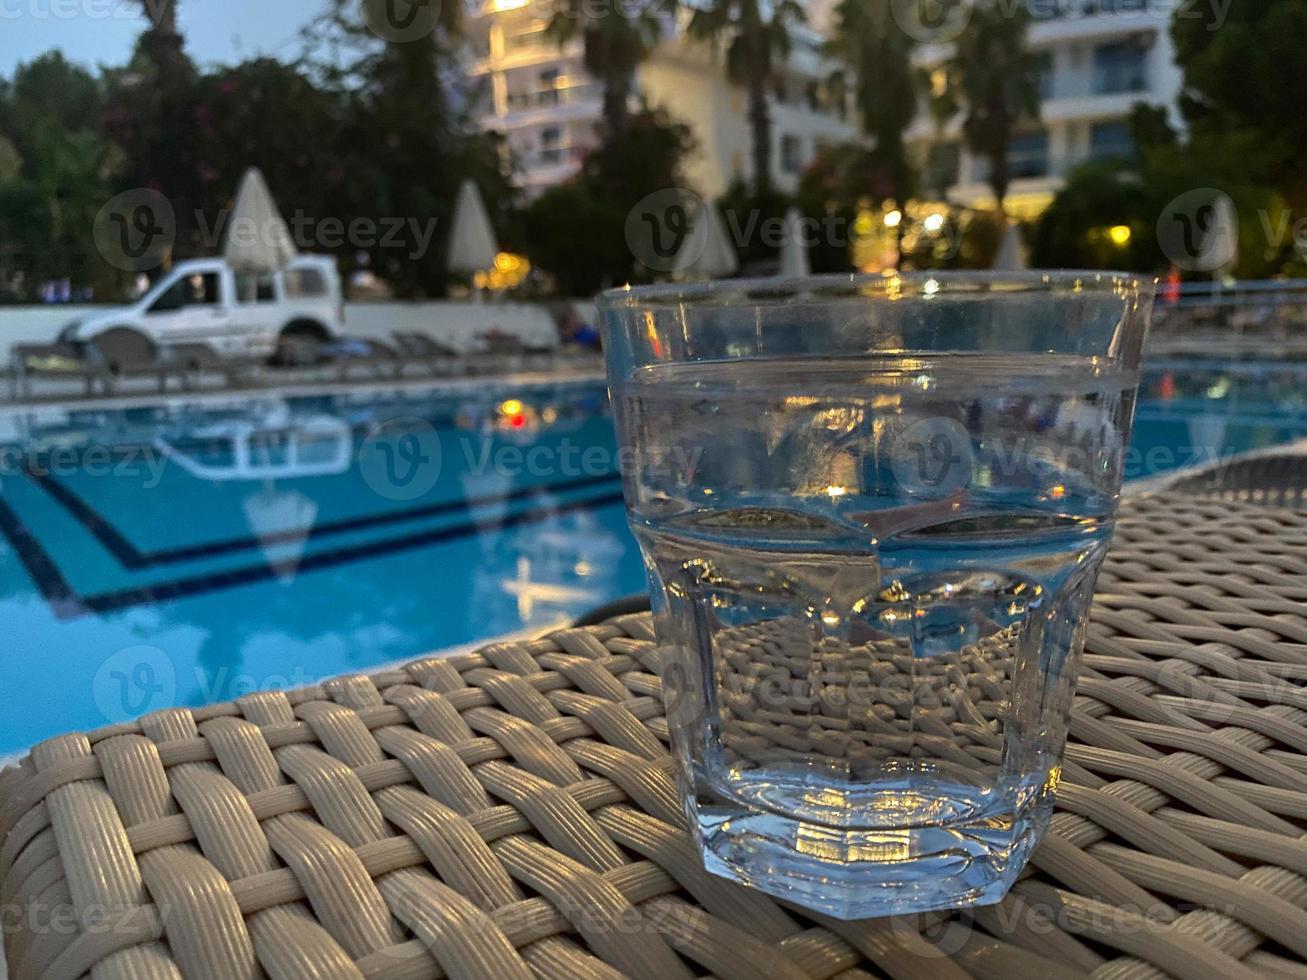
{"x": 186, "y": 553}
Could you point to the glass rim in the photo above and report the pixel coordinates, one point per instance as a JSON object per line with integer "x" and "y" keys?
{"x": 776, "y": 290}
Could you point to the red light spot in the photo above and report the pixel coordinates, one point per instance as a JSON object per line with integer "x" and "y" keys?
{"x": 517, "y": 421}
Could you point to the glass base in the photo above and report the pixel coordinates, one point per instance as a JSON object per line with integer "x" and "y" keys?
{"x": 858, "y": 873}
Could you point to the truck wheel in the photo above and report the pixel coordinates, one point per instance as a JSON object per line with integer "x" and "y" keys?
{"x": 298, "y": 344}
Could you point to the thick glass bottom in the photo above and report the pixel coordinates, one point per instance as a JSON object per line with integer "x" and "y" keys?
{"x": 855, "y": 873}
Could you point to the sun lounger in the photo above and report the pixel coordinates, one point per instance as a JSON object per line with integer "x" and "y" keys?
{"x": 505, "y": 350}
{"x": 124, "y": 354}
{"x": 426, "y": 352}
{"x": 1275, "y": 477}
{"x": 57, "y": 360}
{"x": 380, "y": 359}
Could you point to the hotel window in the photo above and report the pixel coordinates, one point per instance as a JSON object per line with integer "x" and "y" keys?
{"x": 550, "y": 151}
{"x": 1044, "y": 73}
{"x": 1120, "y": 67}
{"x": 548, "y": 93}
{"x": 1027, "y": 156}
{"x": 791, "y": 154}
{"x": 1111, "y": 139}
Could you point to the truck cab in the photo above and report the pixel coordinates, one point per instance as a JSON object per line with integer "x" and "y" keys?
{"x": 236, "y": 312}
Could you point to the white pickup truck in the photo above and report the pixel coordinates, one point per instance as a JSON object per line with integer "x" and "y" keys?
{"x": 237, "y": 313}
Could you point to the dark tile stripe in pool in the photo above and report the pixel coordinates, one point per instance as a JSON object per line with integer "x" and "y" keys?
{"x": 66, "y": 604}
{"x": 109, "y": 536}
{"x": 50, "y": 582}
{"x": 133, "y": 559}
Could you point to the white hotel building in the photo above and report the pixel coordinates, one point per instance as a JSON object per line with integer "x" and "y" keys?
{"x": 1099, "y": 58}
{"x": 548, "y": 108}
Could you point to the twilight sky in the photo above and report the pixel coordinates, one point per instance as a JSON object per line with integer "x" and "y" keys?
{"x": 103, "y": 31}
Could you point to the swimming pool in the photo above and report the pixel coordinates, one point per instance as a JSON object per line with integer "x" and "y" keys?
{"x": 188, "y": 552}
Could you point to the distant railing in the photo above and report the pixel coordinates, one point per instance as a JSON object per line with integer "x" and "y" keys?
{"x": 1245, "y": 319}
{"x": 537, "y": 98}
{"x": 1121, "y": 78}
{"x": 1258, "y": 293}
{"x": 1058, "y": 9}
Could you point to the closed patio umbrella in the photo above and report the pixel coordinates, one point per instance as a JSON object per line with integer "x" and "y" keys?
{"x": 794, "y": 253}
{"x": 1011, "y": 254}
{"x": 257, "y": 237}
{"x": 706, "y": 252}
{"x": 472, "y": 246}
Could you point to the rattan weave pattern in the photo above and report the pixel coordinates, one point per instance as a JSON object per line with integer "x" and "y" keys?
{"x": 511, "y": 813}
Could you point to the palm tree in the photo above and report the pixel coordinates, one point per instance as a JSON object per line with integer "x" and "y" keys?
{"x": 615, "y": 44}
{"x": 994, "y": 79}
{"x": 162, "y": 41}
{"x": 757, "y": 35}
{"x": 877, "y": 55}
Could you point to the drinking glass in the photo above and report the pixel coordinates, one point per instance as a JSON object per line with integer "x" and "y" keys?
{"x": 872, "y": 510}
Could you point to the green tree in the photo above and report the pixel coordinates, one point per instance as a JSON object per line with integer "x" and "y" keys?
{"x": 404, "y": 149}
{"x": 577, "y": 231}
{"x": 831, "y": 191}
{"x": 877, "y": 54}
{"x": 151, "y": 113}
{"x": 56, "y": 173}
{"x": 271, "y": 115}
{"x": 1239, "y": 63}
{"x": 993, "y": 79}
{"x": 1075, "y": 230}
{"x": 615, "y": 42}
{"x": 162, "y": 43}
{"x": 757, "y": 38}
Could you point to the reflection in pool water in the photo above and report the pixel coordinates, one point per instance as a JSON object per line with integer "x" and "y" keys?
{"x": 188, "y": 553}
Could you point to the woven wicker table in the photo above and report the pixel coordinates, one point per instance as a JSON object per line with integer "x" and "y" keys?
{"x": 512, "y": 812}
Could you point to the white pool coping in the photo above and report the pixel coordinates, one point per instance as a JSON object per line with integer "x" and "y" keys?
{"x": 292, "y": 389}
